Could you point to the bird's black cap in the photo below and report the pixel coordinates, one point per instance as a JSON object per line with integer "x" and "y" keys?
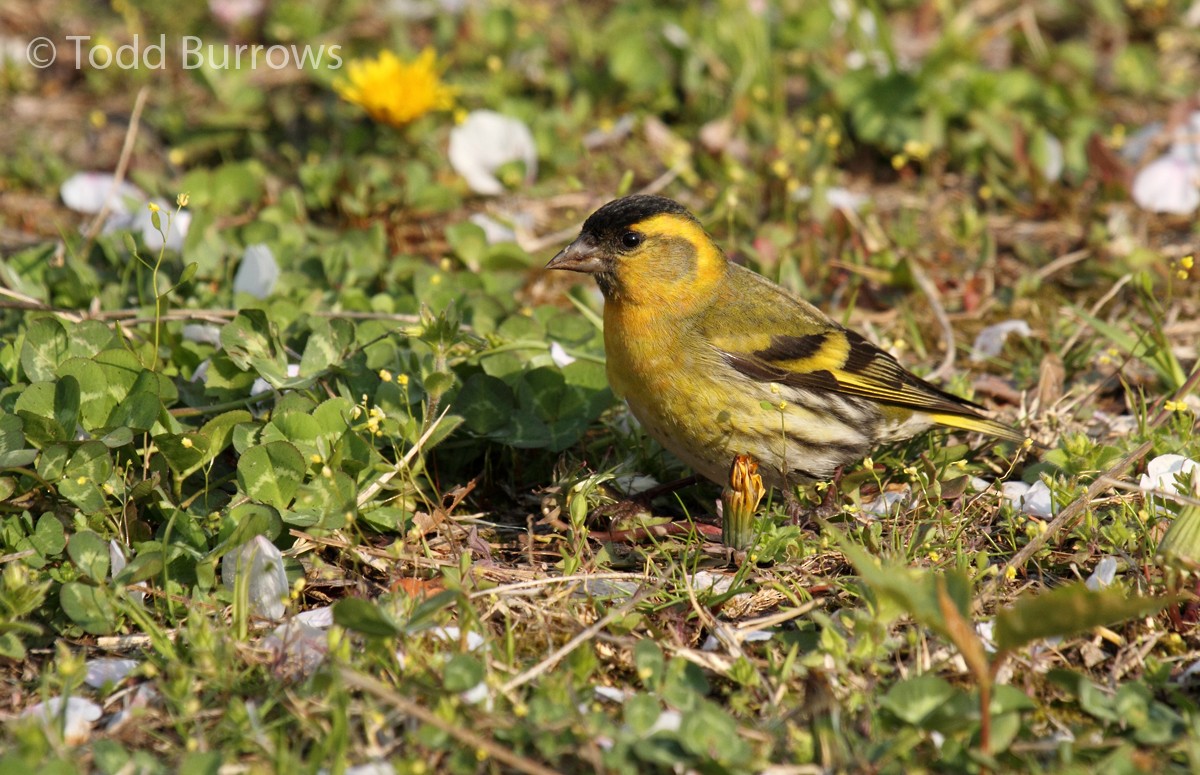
{"x": 618, "y": 215}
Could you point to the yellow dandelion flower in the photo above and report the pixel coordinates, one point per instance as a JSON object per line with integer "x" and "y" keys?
{"x": 396, "y": 92}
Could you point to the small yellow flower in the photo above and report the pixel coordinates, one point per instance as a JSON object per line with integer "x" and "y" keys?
{"x": 183, "y": 199}
{"x": 315, "y": 458}
{"x": 402, "y": 380}
{"x": 1187, "y": 262}
{"x": 985, "y": 192}
{"x": 899, "y": 161}
{"x": 153, "y": 207}
{"x": 385, "y": 375}
{"x": 1175, "y": 406}
{"x": 1010, "y": 573}
{"x": 396, "y": 92}
{"x": 186, "y": 442}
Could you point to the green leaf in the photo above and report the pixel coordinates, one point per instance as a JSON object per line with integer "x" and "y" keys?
{"x": 1068, "y": 610}
{"x": 359, "y": 615}
{"x": 915, "y": 699}
{"x": 90, "y": 555}
{"x": 327, "y": 345}
{"x": 35, "y": 407}
{"x": 45, "y": 347}
{"x": 13, "y": 451}
{"x": 48, "y": 536}
{"x": 485, "y": 403}
{"x": 914, "y": 590}
{"x": 641, "y": 711}
{"x": 245, "y": 522}
{"x": 251, "y": 343}
{"x": 96, "y": 402}
{"x": 182, "y": 451}
{"x": 463, "y": 672}
{"x": 89, "y": 607}
{"x": 271, "y": 473}
{"x": 66, "y": 404}
{"x": 87, "y": 470}
{"x": 138, "y": 412}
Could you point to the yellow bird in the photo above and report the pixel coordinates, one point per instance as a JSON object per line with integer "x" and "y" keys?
{"x": 716, "y": 361}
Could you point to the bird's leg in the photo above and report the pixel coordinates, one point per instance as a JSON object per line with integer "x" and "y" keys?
{"x": 795, "y": 510}
{"x": 829, "y": 503}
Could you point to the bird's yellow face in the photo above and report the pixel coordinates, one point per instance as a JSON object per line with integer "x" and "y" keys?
{"x": 647, "y": 252}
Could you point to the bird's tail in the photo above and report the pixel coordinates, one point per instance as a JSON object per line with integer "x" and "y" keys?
{"x": 979, "y": 425}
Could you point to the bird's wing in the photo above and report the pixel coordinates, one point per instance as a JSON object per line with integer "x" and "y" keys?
{"x": 793, "y": 344}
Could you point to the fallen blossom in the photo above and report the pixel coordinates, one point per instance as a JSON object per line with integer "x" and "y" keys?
{"x": 560, "y": 356}
{"x": 1033, "y": 500}
{"x": 1103, "y": 575}
{"x": 74, "y": 720}
{"x": 260, "y": 564}
{"x": 105, "y": 670}
{"x": 990, "y": 341}
{"x": 486, "y": 141}
{"x": 1163, "y": 473}
{"x": 257, "y": 272}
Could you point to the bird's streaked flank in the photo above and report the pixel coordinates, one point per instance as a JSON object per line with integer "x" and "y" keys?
{"x": 698, "y": 346}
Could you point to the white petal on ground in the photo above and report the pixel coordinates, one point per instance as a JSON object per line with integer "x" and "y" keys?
{"x": 377, "y": 767}
{"x": 261, "y": 564}
{"x": 232, "y": 13}
{"x": 86, "y": 192}
{"x": 493, "y": 231}
{"x": 990, "y": 341}
{"x": 257, "y": 272}
{"x": 611, "y": 693}
{"x": 837, "y": 197}
{"x": 1168, "y": 185}
{"x": 706, "y": 581}
{"x": 116, "y": 564}
{"x": 103, "y": 670}
{"x": 297, "y": 646}
{"x": 416, "y": 10}
{"x": 559, "y": 355}
{"x": 76, "y": 718}
{"x": 1163, "y": 471}
{"x": 1052, "y": 157}
{"x": 316, "y": 617}
{"x": 202, "y": 333}
{"x": 987, "y": 633}
{"x": 1103, "y": 575}
{"x": 487, "y": 141}
{"x": 888, "y": 503}
{"x": 668, "y": 721}
{"x": 1030, "y": 499}
{"x": 454, "y": 635}
{"x": 381, "y": 767}
{"x": 476, "y": 694}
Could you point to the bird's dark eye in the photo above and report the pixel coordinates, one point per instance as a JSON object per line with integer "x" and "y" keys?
{"x": 630, "y": 240}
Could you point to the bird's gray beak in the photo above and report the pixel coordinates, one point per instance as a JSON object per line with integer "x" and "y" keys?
{"x": 582, "y": 255}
